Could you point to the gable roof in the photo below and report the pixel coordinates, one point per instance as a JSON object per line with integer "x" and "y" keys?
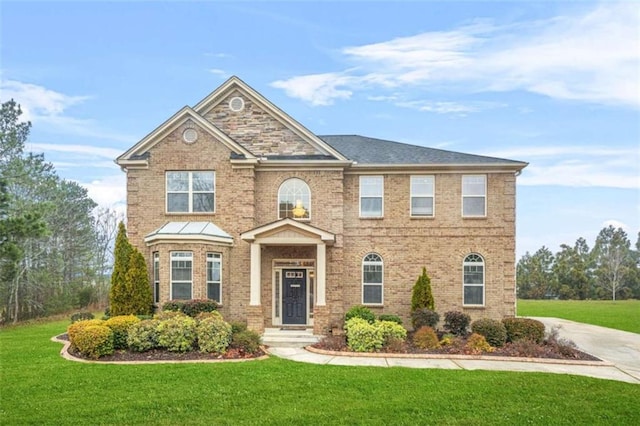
{"x": 301, "y": 232}
{"x": 379, "y": 152}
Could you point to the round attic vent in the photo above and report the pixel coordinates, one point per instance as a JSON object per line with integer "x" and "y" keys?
{"x": 236, "y": 104}
{"x": 190, "y": 135}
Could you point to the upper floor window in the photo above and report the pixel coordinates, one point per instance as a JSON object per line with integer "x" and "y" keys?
{"x": 214, "y": 277}
{"x": 371, "y": 196}
{"x": 473, "y": 280}
{"x": 294, "y": 199}
{"x": 181, "y": 275}
{"x": 422, "y": 196}
{"x": 191, "y": 192}
{"x": 372, "y": 273}
{"x": 474, "y": 196}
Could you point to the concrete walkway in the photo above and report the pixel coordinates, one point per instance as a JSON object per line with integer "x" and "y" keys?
{"x": 619, "y": 350}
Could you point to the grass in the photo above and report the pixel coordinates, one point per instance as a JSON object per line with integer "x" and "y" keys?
{"x": 39, "y": 387}
{"x": 621, "y": 315}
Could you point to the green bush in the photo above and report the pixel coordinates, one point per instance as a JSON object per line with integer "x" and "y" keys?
{"x": 165, "y": 315}
{"x": 421, "y": 295}
{"x": 81, "y": 316}
{"x": 426, "y": 338}
{"x": 524, "y": 329}
{"x": 246, "y": 341}
{"x": 359, "y": 311}
{"x": 94, "y": 341}
{"x": 456, "y": 322}
{"x": 389, "y": 317}
{"x": 214, "y": 335}
{"x": 191, "y": 307}
{"x": 120, "y": 326}
{"x": 177, "y": 334}
{"x": 143, "y": 336}
{"x": 477, "y": 344}
{"x": 424, "y": 317}
{"x": 238, "y": 327}
{"x": 73, "y": 329}
{"x": 492, "y": 330}
{"x": 391, "y": 330}
{"x": 363, "y": 336}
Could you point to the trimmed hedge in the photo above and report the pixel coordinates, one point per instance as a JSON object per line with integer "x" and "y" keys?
{"x": 524, "y": 329}
{"x": 390, "y": 317}
{"x": 120, "y": 326}
{"x": 456, "y": 322}
{"x": 143, "y": 336}
{"x": 363, "y": 336}
{"x": 477, "y": 344}
{"x": 246, "y": 341}
{"x": 177, "y": 334}
{"x": 73, "y": 329}
{"x": 191, "y": 307}
{"x": 426, "y": 338}
{"x": 360, "y": 311}
{"x": 424, "y": 317}
{"x": 94, "y": 341}
{"x": 493, "y": 331}
{"x": 214, "y": 334}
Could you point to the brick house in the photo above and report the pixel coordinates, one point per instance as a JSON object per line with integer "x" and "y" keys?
{"x": 236, "y": 201}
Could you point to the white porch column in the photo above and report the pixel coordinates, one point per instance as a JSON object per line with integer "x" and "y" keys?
{"x": 321, "y": 275}
{"x": 254, "y": 294}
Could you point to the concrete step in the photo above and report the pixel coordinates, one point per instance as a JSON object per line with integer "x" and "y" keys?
{"x": 289, "y": 337}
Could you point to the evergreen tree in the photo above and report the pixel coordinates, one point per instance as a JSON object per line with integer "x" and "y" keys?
{"x": 422, "y": 297}
{"x": 118, "y": 297}
{"x": 138, "y": 287}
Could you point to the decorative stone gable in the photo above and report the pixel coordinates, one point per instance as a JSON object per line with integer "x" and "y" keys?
{"x": 255, "y": 129}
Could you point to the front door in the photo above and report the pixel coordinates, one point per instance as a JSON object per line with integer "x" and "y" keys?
{"x": 294, "y": 296}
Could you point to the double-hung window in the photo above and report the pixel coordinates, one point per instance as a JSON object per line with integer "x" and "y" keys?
{"x": 156, "y": 277}
{"x": 191, "y": 192}
{"x": 474, "y": 196}
{"x": 473, "y": 280}
{"x": 371, "y": 196}
{"x": 181, "y": 275}
{"x": 372, "y": 276}
{"x": 422, "y": 196}
{"x": 214, "y": 277}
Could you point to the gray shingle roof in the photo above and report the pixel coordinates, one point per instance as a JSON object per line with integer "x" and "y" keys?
{"x": 366, "y": 150}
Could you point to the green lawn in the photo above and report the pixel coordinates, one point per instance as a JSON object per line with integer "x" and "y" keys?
{"x": 39, "y": 387}
{"x": 622, "y": 314}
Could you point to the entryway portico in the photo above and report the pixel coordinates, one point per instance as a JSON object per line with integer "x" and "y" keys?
{"x": 298, "y": 284}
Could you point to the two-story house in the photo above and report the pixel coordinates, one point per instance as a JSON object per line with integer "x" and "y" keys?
{"x": 234, "y": 200}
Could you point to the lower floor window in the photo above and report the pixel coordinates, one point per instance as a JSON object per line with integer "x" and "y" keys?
{"x": 181, "y": 274}
{"x": 156, "y": 277}
{"x": 473, "y": 281}
{"x": 372, "y": 279}
{"x": 214, "y": 277}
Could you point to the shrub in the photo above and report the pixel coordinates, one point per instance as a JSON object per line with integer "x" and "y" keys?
{"x": 524, "y": 329}
{"x": 477, "y": 344}
{"x": 120, "y": 327}
{"x": 238, "y": 327}
{"x": 492, "y": 330}
{"x": 246, "y": 341}
{"x": 447, "y": 340}
{"x": 426, "y": 338}
{"x": 363, "y": 336}
{"x": 143, "y": 336}
{"x": 456, "y": 322}
{"x": 424, "y": 317}
{"x": 118, "y": 295}
{"x": 204, "y": 315}
{"x": 391, "y": 330}
{"x": 191, "y": 307}
{"x": 94, "y": 341}
{"x": 138, "y": 288}
{"x": 421, "y": 295}
{"x": 177, "y": 334}
{"x": 81, "y": 316}
{"x": 165, "y": 315}
{"x": 73, "y": 329}
{"x": 359, "y": 311}
{"x": 389, "y": 317}
{"x": 214, "y": 335}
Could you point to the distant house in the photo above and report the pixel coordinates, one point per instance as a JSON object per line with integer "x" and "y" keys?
{"x": 234, "y": 200}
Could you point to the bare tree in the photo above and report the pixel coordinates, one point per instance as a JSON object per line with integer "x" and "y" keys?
{"x": 612, "y": 257}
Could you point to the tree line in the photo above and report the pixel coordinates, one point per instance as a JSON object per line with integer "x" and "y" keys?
{"x": 609, "y": 270}
{"x": 55, "y": 243}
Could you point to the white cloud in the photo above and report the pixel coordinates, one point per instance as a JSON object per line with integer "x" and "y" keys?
{"x": 109, "y": 191}
{"x": 593, "y": 56}
{"x": 220, "y": 73}
{"x": 616, "y": 224}
{"x": 85, "y": 150}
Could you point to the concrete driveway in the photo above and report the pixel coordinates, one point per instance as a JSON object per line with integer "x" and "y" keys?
{"x": 618, "y": 347}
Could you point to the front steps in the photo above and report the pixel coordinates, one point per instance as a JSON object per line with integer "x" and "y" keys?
{"x": 293, "y": 337}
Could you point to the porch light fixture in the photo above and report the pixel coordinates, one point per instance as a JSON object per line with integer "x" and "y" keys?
{"x": 299, "y": 211}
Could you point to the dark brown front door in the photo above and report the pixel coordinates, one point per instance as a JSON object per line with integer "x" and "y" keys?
{"x": 294, "y": 296}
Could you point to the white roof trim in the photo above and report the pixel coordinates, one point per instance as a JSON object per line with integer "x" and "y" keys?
{"x": 189, "y": 231}
{"x": 255, "y": 233}
{"x": 215, "y": 97}
{"x": 170, "y": 125}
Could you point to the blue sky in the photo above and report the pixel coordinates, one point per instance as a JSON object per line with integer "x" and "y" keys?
{"x": 556, "y": 84}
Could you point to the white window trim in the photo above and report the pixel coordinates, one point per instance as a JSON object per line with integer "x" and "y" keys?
{"x": 171, "y": 281}
{"x": 432, "y": 196}
{"x": 156, "y": 277}
{"x": 381, "y": 284}
{"x": 484, "y": 281}
{"x": 302, "y": 219}
{"x": 190, "y": 191}
{"x": 381, "y": 198}
{"x": 473, "y": 196}
{"x": 213, "y": 260}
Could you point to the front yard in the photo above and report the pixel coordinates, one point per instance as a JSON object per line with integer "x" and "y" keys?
{"x": 39, "y": 387}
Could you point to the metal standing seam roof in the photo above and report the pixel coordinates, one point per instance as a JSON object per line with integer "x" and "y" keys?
{"x": 367, "y": 150}
{"x": 189, "y": 230}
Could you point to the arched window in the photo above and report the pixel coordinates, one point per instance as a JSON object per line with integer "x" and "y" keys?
{"x": 372, "y": 279}
{"x": 294, "y": 199}
{"x": 473, "y": 280}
